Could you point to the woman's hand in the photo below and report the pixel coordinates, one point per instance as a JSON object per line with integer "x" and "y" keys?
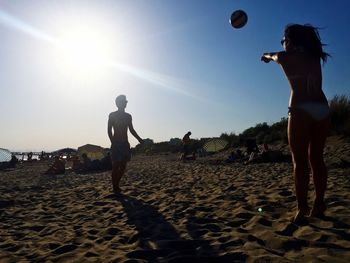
{"x": 266, "y": 57}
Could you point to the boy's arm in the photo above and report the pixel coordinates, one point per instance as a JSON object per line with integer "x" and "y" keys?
{"x": 109, "y": 128}
{"x": 133, "y": 132}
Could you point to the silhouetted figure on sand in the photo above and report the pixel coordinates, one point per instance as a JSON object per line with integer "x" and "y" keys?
{"x": 309, "y": 120}
{"x": 77, "y": 165}
{"x": 186, "y": 145}
{"x": 29, "y": 156}
{"x": 86, "y": 162}
{"x": 84, "y": 166}
{"x": 251, "y": 146}
{"x": 58, "y": 166}
{"x": 118, "y": 124}
{"x": 235, "y": 156}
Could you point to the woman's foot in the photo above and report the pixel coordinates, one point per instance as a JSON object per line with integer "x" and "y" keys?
{"x": 116, "y": 190}
{"x": 318, "y": 209}
{"x": 300, "y": 216}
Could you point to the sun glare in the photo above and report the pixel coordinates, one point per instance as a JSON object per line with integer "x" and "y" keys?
{"x": 83, "y": 51}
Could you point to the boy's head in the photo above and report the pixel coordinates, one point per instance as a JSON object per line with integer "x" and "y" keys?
{"x": 121, "y": 101}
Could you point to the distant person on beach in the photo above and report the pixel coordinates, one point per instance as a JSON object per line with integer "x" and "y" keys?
{"x": 265, "y": 147}
{"x": 13, "y": 162}
{"x": 235, "y": 156}
{"x": 29, "y": 156}
{"x": 252, "y": 149}
{"x": 308, "y": 122}
{"x": 251, "y": 146}
{"x": 186, "y": 144}
{"x": 77, "y": 166}
{"x": 118, "y": 124}
{"x": 86, "y": 163}
{"x": 42, "y": 156}
{"x": 58, "y": 166}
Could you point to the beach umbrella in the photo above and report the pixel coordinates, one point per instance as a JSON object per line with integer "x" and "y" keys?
{"x": 92, "y": 151}
{"x": 5, "y": 155}
{"x": 215, "y": 145}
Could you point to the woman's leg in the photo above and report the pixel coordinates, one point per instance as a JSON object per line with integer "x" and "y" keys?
{"x": 319, "y": 134}
{"x": 299, "y": 124}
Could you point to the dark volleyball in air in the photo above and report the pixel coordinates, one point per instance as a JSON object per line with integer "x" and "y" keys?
{"x": 238, "y": 19}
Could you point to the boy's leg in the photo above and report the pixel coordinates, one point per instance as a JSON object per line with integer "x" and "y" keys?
{"x": 117, "y": 173}
{"x": 122, "y": 168}
{"x": 319, "y": 170}
{"x": 299, "y": 137}
{"x": 186, "y": 150}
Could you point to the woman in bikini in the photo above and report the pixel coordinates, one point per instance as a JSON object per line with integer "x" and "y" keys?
{"x": 308, "y": 122}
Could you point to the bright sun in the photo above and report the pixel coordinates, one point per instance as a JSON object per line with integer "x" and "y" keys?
{"x": 83, "y": 51}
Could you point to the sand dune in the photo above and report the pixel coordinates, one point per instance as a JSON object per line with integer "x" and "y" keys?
{"x": 172, "y": 212}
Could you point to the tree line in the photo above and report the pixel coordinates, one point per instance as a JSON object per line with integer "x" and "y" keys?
{"x": 261, "y": 132}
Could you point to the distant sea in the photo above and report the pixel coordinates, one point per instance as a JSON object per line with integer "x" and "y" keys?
{"x": 24, "y": 157}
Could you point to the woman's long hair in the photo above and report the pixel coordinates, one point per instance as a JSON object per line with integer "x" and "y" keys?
{"x": 307, "y": 37}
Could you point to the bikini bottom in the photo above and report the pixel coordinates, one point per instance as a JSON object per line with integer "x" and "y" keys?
{"x": 317, "y": 111}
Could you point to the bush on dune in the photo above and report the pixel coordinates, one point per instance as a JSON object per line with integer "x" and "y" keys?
{"x": 261, "y": 132}
{"x": 231, "y": 138}
{"x": 340, "y": 115}
{"x": 264, "y": 133}
{"x": 340, "y": 124}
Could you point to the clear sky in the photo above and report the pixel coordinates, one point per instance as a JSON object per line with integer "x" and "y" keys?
{"x": 180, "y": 64}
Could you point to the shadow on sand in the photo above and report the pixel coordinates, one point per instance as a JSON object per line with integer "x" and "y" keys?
{"x": 159, "y": 241}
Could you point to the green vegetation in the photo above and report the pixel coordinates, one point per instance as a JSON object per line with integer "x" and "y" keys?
{"x": 340, "y": 115}
{"x": 262, "y": 132}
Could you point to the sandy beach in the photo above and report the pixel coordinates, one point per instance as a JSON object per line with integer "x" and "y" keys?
{"x": 172, "y": 211}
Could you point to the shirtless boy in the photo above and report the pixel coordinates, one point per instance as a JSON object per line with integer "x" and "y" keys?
{"x": 118, "y": 124}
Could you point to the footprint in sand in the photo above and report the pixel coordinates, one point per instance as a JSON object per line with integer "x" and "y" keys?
{"x": 37, "y": 228}
{"x": 264, "y": 222}
{"x": 247, "y": 216}
{"x": 147, "y": 255}
{"x": 65, "y": 249}
{"x": 53, "y": 246}
{"x": 204, "y": 209}
{"x": 253, "y": 238}
{"x": 90, "y": 254}
{"x": 92, "y": 232}
{"x": 232, "y": 244}
{"x": 296, "y": 244}
{"x": 285, "y": 192}
{"x": 11, "y": 247}
{"x": 6, "y": 203}
{"x": 237, "y": 223}
{"x": 100, "y": 203}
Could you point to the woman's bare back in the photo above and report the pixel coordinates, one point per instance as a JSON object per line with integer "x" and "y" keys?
{"x": 305, "y": 77}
